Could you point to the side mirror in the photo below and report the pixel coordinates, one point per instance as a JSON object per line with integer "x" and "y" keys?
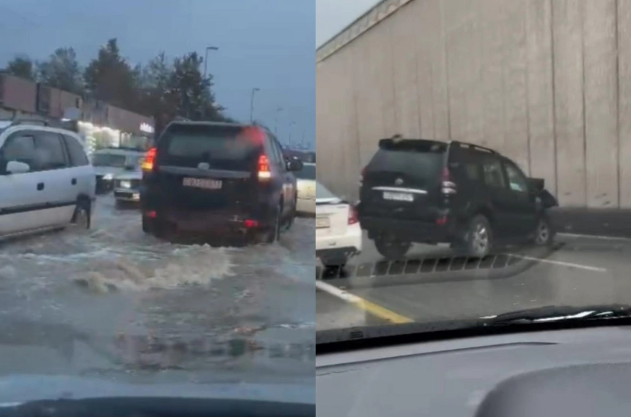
{"x": 294, "y": 165}
{"x": 16, "y": 167}
{"x": 536, "y": 184}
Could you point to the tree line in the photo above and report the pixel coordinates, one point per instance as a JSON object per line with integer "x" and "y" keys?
{"x": 164, "y": 88}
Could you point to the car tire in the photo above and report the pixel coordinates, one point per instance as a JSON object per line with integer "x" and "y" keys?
{"x": 391, "y": 248}
{"x": 82, "y": 217}
{"x": 544, "y": 234}
{"x": 289, "y": 222}
{"x": 149, "y": 225}
{"x": 478, "y": 240}
{"x": 273, "y": 234}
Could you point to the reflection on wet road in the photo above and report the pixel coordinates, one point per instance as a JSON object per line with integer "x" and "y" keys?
{"x": 114, "y": 292}
{"x": 578, "y": 271}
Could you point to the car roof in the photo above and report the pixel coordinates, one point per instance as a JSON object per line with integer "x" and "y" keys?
{"x": 206, "y": 123}
{"x": 119, "y": 151}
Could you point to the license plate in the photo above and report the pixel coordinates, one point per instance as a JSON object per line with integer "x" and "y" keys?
{"x": 398, "y": 196}
{"x": 202, "y": 183}
{"x": 322, "y": 223}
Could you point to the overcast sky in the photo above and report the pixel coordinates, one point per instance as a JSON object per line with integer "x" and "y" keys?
{"x": 263, "y": 43}
{"x": 334, "y": 15}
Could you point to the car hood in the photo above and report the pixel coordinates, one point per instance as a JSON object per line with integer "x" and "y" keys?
{"x": 17, "y": 389}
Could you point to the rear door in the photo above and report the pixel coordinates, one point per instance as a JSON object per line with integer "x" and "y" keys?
{"x": 56, "y": 176}
{"x": 204, "y": 167}
{"x": 331, "y": 213}
{"x": 402, "y": 180}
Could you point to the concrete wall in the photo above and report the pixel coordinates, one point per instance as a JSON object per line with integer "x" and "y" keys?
{"x": 546, "y": 82}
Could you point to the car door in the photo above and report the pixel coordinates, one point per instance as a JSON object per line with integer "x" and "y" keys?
{"x": 82, "y": 174}
{"x": 503, "y": 201}
{"x": 22, "y": 199}
{"x": 53, "y": 166}
{"x": 524, "y": 203}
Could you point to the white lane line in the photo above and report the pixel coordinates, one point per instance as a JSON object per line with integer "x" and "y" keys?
{"x": 561, "y": 263}
{"x": 614, "y": 238}
{"x": 334, "y": 291}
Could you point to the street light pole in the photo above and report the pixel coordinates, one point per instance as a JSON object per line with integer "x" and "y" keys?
{"x": 254, "y": 90}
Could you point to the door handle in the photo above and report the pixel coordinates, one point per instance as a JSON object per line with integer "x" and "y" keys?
{"x": 74, "y": 181}
{"x": 40, "y": 186}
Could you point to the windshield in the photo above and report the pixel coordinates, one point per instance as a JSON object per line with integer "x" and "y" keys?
{"x": 308, "y": 172}
{"x": 172, "y": 274}
{"x": 484, "y": 183}
{"x": 108, "y": 160}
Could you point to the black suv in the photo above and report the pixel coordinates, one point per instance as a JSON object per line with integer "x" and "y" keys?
{"x": 424, "y": 191}
{"x": 220, "y": 178}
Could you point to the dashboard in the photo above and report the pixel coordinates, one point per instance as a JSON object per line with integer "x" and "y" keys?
{"x": 577, "y": 372}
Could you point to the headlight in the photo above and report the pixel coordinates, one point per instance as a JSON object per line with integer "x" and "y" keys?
{"x": 125, "y": 184}
{"x": 108, "y": 177}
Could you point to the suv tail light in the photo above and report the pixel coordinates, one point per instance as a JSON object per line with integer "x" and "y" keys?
{"x": 263, "y": 168}
{"x": 352, "y": 215}
{"x": 149, "y": 162}
{"x": 447, "y": 185}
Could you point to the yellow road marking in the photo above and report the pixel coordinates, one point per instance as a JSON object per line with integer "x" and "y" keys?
{"x": 368, "y": 306}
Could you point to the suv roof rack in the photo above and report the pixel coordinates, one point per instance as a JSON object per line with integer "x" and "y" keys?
{"x": 473, "y": 146}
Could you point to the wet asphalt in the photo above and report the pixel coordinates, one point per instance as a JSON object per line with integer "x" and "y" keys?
{"x": 113, "y": 302}
{"x": 433, "y": 286}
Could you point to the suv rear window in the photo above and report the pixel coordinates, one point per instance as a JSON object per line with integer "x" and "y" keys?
{"x": 419, "y": 159}
{"x": 223, "y": 147}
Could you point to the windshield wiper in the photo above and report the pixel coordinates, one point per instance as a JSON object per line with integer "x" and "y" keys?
{"x": 561, "y": 313}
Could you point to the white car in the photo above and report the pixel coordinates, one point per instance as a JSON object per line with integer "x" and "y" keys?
{"x": 338, "y": 233}
{"x": 111, "y": 162}
{"x": 46, "y": 179}
{"x": 306, "y": 185}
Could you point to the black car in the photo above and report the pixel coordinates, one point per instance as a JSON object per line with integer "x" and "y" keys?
{"x": 425, "y": 191}
{"x": 218, "y": 178}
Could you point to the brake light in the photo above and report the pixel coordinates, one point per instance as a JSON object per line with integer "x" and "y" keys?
{"x": 447, "y": 185}
{"x": 263, "y": 168}
{"x": 353, "y": 218}
{"x": 149, "y": 161}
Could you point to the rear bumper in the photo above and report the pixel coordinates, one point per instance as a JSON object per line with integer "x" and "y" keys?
{"x": 411, "y": 230}
{"x": 305, "y": 205}
{"x": 339, "y": 248}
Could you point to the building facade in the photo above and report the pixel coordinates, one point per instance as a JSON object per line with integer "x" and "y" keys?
{"x": 99, "y": 123}
{"x": 546, "y": 82}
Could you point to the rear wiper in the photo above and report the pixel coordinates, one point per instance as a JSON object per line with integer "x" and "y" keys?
{"x": 561, "y": 313}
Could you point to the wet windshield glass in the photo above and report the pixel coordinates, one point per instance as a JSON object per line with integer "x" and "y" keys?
{"x": 161, "y": 271}
{"x": 483, "y": 183}
{"x": 108, "y": 160}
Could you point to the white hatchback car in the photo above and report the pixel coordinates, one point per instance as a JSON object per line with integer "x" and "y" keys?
{"x": 46, "y": 179}
{"x": 306, "y": 185}
{"x": 338, "y": 233}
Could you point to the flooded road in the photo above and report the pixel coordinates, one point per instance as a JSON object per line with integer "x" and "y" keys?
{"x": 130, "y": 302}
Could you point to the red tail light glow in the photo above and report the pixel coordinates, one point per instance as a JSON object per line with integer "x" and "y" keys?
{"x": 149, "y": 161}
{"x": 251, "y": 223}
{"x": 353, "y": 218}
{"x": 263, "y": 168}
